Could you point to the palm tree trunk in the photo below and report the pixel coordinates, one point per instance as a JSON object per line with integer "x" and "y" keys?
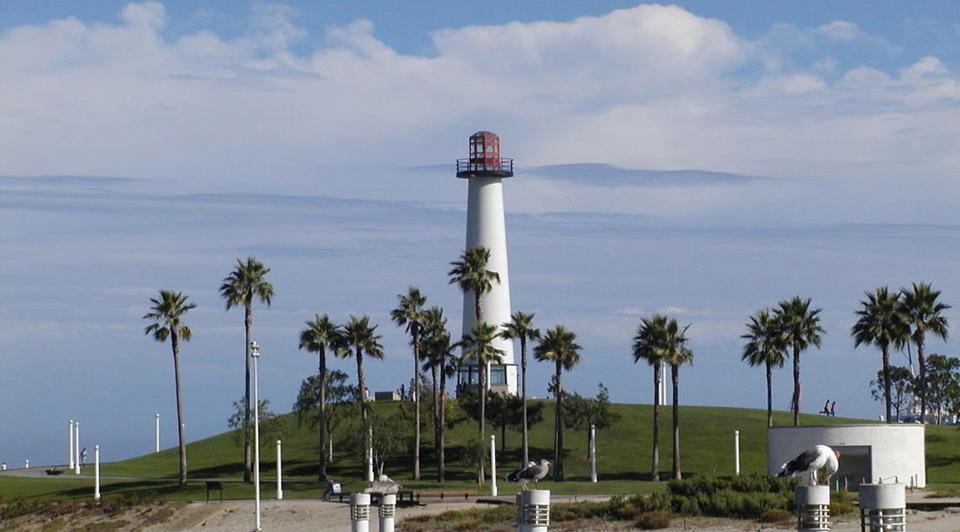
{"x": 416, "y": 401}
{"x": 174, "y": 342}
{"x": 440, "y": 445}
{"x": 921, "y": 360}
{"x": 363, "y": 410}
{"x": 796, "y": 385}
{"x": 886, "y": 381}
{"x": 558, "y": 428}
{"x": 523, "y": 378}
{"x": 322, "y": 445}
{"x": 436, "y": 411}
{"x": 247, "y": 450}
{"x": 769, "y": 396}
{"x": 483, "y": 414}
{"x": 675, "y": 375}
{"x": 655, "y": 466}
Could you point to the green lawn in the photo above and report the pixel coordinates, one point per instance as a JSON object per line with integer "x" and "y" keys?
{"x": 623, "y": 457}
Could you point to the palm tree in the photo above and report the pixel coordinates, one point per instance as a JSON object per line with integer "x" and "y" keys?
{"x": 440, "y": 357}
{"x": 560, "y": 347}
{"x": 520, "y": 327}
{"x": 650, "y": 344}
{"x": 677, "y": 355}
{"x": 409, "y": 314}
{"x": 881, "y": 322}
{"x": 800, "y": 328}
{"x": 166, "y": 313}
{"x": 478, "y": 347}
{"x": 319, "y": 335}
{"x": 765, "y": 346}
{"x": 359, "y": 338}
{"x": 471, "y": 274}
{"x": 924, "y": 314}
{"x": 245, "y": 283}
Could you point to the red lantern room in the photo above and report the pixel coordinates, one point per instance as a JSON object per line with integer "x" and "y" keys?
{"x": 485, "y": 160}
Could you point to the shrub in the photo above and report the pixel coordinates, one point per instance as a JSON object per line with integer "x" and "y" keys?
{"x": 653, "y": 520}
{"x": 776, "y": 516}
{"x": 840, "y": 508}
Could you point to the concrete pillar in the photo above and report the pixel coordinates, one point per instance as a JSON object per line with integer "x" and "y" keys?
{"x": 76, "y": 448}
{"x": 593, "y": 453}
{"x": 533, "y": 511}
{"x": 493, "y": 466}
{"x": 156, "y": 434}
{"x": 813, "y": 508}
{"x": 96, "y": 472}
{"x": 736, "y": 452}
{"x": 388, "y": 512}
{"x": 70, "y": 448}
{"x": 360, "y": 512}
{"x": 883, "y": 507}
{"x": 279, "y": 471}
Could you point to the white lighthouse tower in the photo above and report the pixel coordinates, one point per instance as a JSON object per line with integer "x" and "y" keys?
{"x": 484, "y": 171}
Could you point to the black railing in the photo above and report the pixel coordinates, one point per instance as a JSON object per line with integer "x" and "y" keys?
{"x": 479, "y": 166}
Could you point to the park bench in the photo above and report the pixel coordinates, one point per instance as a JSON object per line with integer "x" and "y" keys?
{"x": 214, "y": 485}
{"x": 404, "y": 497}
{"x": 443, "y": 494}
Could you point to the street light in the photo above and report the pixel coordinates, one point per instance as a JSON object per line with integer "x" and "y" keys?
{"x": 255, "y": 354}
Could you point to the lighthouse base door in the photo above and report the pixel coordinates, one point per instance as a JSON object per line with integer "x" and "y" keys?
{"x": 854, "y": 468}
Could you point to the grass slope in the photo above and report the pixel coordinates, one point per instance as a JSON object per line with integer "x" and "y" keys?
{"x": 624, "y": 453}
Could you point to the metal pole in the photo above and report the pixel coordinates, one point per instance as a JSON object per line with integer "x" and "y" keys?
{"x": 156, "y": 435}
{"x": 493, "y": 465}
{"x": 593, "y": 453}
{"x": 256, "y": 434}
{"x": 76, "y": 447}
{"x": 280, "y": 471}
{"x": 370, "y": 454}
{"x": 736, "y": 452}
{"x": 96, "y": 472}
{"x": 70, "y": 449}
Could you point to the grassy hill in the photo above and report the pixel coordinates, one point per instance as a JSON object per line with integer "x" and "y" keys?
{"x": 623, "y": 457}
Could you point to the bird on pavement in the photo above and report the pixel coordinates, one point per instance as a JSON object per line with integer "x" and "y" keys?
{"x": 532, "y": 472}
{"x": 810, "y": 461}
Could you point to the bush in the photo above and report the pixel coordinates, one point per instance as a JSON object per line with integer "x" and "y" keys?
{"x": 840, "y": 508}
{"x": 776, "y": 516}
{"x": 653, "y": 520}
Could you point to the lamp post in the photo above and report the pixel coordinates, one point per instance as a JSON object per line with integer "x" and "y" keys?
{"x": 255, "y": 354}
{"x": 156, "y": 434}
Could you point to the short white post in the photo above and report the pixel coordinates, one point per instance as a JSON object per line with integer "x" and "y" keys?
{"x": 3, "y": 466}
{"x": 26, "y": 465}
{"x": 388, "y": 512}
{"x": 883, "y": 507}
{"x": 360, "y": 512}
{"x": 156, "y": 434}
{"x": 96, "y": 472}
{"x": 813, "y": 508}
{"x": 76, "y": 447}
{"x": 279, "y": 471}
{"x": 70, "y": 450}
{"x": 493, "y": 465}
{"x": 736, "y": 452}
{"x": 370, "y": 455}
{"x": 533, "y": 511}
{"x": 593, "y": 453}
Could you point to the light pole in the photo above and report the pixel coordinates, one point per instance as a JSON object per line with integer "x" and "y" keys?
{"x": 156, "y": 434}
{"x": 255, "y": 353}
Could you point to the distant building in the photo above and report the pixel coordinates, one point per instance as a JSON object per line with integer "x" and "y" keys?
{"x": 386, "y": 396}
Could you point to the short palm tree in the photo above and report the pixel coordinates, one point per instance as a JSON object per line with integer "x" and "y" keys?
{"x": 765, "y": 347}
{"x": 648, "y": 345}
{"x": 409, "y": 314}
{"x": 359, "y": 338}
{"x": 166, "y": 321}
{"x": 559, "y": 346}
{"x": 924, "y": 314}
{"x": 800, "y": 328}
{"x": 881, "y": 322}
{"x": 245, "y": 283}
{"x": 520, "y": 327}
{"x": 319, "y": 335}
{"x": 479, "y": 348}
{"x": 678, "y": 355}
{"x": 470, "y": 273}
{"x": 441, "y": 358}
{"x": 434, "y": 323}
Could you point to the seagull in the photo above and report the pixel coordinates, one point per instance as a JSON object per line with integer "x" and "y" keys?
{"x": 532, "y": 471}
{"x": 810, "y": 461}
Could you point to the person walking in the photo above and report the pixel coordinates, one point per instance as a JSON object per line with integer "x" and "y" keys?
{"x": 833, "y": 409}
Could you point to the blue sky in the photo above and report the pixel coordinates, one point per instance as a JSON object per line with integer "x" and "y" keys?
{"x": 704, "y": 159}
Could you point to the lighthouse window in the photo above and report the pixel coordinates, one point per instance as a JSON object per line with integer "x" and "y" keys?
{"x": 498, "y": 375}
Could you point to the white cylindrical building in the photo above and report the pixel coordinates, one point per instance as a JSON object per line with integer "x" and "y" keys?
{"x": 484, "y": 171}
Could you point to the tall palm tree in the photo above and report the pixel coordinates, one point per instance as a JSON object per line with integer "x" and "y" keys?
{"x": 441, "y": 358}
{"x": 478, "y": 347}
{"x": 520, "y": 327}
{"x": 678, "y": 354}
{"x": 765, "y": 347}
{"x": 559, "y": 346}
{"x": 245, "y": 283}
{"x": 319, "y": 335}
{"x": 470, "y": 273}
{"x": 882, "y": 322}
{"x": 924, "y": 314}
{"x": 166, "y": 315}
{"x": 800, "y": 328}
{"x": 409, "y": 314}
{"x": 359, "y": 338}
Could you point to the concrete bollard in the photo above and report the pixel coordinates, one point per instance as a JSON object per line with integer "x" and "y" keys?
{"x": 96, "y": 472}
{"x": 533, "y": 511}
{"x": 493, "y": 466}
{"x": 360, "y": 512}
{"x": 813, "y": 508}
{"x": 279, "y": 471}
{"x": 388, "y": 512}
{"x": 883, "y": 507}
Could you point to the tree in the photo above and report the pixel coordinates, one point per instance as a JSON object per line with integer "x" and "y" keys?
{"x": 409, "y": 314}
{"x": 943, "y": 380}
{"x": 245, "y": 283}
{"x": 391, "y": 438}
{"x": 319, "y": 335}
{"x": 470, "y": 273}
{"x": 271, "y": 426}
{"x": 800, "y": 328}
{"x": 441, "y": 359}
{"x": 881, "y": 322}
{"x": 503, "y": 411}
{"x": 341, "y": 404}
{"x": 166, "y": 321}
{"x": 924, "y": 314}
{"x": 558, "y": 346}
{"x": 359, "y": 338}
{"x": 649, "y": 345}
{"x": 678, "y": 355}
{"x": 580, "y": 413}
{"x": 901, "y": 385}
{"x": 478, "y": 348}
{"x": 520, "y": 327}
{"x": 765, "y": 346}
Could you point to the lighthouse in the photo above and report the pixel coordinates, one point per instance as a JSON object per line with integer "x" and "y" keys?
{"x": 484, "y": 171}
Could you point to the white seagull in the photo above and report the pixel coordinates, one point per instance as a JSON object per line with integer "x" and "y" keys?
{"x": 532, "y": 472}
{"x": 810, "y": 461}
